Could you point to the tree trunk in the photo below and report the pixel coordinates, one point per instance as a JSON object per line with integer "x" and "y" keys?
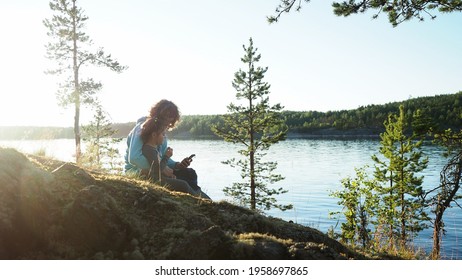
{"x": 391, "y": 234}
{"x": 253, "y": 200}
{"x": 444, "y": 203}
{"x": 402, "y": 198}
{"x": 78, "y": 150}
{"x": 437, "y": 229}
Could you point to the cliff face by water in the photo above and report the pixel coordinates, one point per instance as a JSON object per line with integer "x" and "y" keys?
{"x": 55, "y": 210}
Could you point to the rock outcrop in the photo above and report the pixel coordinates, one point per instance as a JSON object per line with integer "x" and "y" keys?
{"x": 56, "y": 210}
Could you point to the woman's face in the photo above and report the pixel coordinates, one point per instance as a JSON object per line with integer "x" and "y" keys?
{"x": 159, "y": 137}
{"x": 170, "y": 121}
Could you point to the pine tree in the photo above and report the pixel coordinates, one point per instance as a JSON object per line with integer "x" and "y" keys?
{"x": 100, "y": 150}
{"x": 69, "y": 48}
{"x": 401, "y": 192}
{"x": 422, "y": 124}
{"x": 256, "y": 126}
{"x": 398, "y": 11}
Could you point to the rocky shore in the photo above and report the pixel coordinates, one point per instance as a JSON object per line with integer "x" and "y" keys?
{"x": 56, "y": 210}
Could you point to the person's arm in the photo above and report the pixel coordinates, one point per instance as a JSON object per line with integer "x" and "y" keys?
{"x": 135, "y": 154}
{"x": 128, "y": 167}
{"x": 163, "y": 150}
{"x": 152, "y": 157}
{"x": 163, "y": 163}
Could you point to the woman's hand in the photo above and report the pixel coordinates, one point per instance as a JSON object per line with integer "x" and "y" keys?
{"x": 168, "y": 172}
{"x": 184, "y": 163}
{"x": 169, "y": 152}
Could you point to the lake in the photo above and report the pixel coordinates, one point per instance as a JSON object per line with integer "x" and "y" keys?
{"x": 312, "y": 170}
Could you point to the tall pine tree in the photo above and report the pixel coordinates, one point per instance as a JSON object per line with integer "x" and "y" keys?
{"x": 402, "y": 212}
{"x": 255, "y": 125}
{"x": 69, "y": 48}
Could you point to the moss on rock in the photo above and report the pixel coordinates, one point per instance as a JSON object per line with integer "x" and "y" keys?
{"x": 56, "y": 210}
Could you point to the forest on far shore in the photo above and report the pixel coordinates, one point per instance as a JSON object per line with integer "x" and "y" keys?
{"x": 443, "y": 111}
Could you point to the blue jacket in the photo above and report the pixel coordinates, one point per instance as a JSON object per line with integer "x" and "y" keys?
{"x": 134, "y": 159}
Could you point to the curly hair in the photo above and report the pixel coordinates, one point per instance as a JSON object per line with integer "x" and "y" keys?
{"x": 165, "y": 111}
{"x": 150, "y": 126}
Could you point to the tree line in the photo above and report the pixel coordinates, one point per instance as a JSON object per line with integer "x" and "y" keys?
{"x": 443, "y": 111}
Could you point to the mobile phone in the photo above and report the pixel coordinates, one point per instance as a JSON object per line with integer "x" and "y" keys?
{"x": 191, "y": 156}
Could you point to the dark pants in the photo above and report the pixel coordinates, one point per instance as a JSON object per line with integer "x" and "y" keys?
{"x": 189, "y": 175}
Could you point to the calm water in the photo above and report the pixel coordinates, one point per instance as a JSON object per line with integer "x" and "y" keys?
{"x": 312, "y": 170}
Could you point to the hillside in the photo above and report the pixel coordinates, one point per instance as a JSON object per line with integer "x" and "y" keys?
{"x": 55, "y": 210}
{"x": 441, "y": 112}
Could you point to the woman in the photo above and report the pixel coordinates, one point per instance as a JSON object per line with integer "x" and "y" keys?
{"x": 152, "y": 135}
{"x": 165, "y": 111}
{"x": 136, "y": 163}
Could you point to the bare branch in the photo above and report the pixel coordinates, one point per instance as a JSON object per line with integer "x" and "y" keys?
{"x": 285, "y": 7}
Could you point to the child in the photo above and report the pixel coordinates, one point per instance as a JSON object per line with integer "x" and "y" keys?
{"x": 152, "y": 134}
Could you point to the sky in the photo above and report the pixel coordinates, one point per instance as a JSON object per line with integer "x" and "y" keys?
{"x": 188, "y": 51}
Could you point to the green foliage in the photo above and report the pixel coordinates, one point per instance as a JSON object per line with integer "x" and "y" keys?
{"x": 393, "y": 201}
{"x": 397, "y": 11}
{"x": 424, "y": 113}
{"x": 422, "y": 124}
{"x": 264, "y": 196}
{"x": 401, "y": 189}
{"x": 196, "y": 126}
{"x": 448, "y": 192}
{"x": 360, "y": 201}
{"x": 70, "y": 49}
{"x": 427, "y": 114}
{"x": 255, "y": 125}
{"x": 101, "y": 152}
